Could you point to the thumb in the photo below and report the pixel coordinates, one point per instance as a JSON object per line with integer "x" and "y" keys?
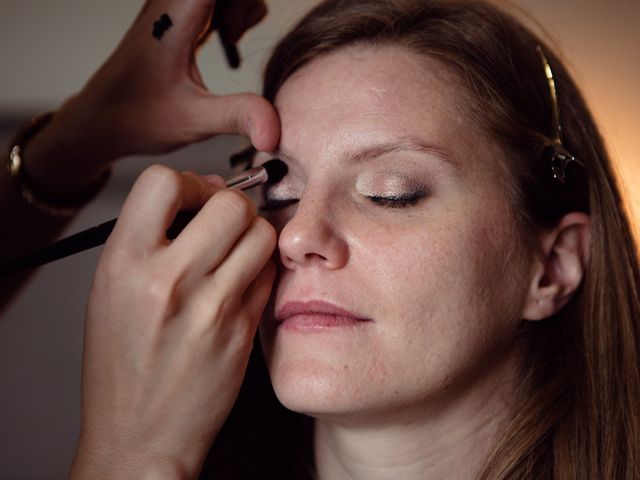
{"x": 244, "y": 113}
{"x": 188, "y": 17}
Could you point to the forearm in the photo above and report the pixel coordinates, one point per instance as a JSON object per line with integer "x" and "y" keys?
{"x": 52, "y": 161}
{"x": 24, "y": 229}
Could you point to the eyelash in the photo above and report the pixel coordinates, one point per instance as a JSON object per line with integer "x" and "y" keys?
{"x": 399, "y": 201}
{"x": 270, "y": 205}
{"x": 394, "y": 201}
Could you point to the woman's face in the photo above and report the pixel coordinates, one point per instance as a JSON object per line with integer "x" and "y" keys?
{"x": 402, "y": 221}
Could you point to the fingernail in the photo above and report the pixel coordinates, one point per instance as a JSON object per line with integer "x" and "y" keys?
{"x": 215, "y": 180}
{"x": 251, "y": 127}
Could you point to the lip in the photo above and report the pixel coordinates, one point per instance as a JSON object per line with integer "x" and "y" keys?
{"x": 317, "y": 311}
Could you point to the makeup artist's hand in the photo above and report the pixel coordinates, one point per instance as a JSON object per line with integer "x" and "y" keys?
{"x": 169, "y": 327}
{"x": 149, "y": 98}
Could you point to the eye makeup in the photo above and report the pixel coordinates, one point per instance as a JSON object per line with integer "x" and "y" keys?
{"x": 276, "y": 197}
{"x": 398, "y": 201}
{"x": 388, "y": 190}
{"x": 269, "y": 205}
{"x": 392, "y": 183}
{"x": 392, "y": 190}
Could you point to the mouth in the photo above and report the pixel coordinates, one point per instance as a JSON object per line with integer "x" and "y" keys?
{"x": 316, "y": 315}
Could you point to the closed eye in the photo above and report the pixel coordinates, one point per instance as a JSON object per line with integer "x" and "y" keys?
{"x": 398, "y": 201}
{"x": 393, "y": 201}
{"x": 277, "y": 204}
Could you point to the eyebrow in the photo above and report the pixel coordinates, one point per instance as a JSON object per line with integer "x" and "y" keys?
{"x": 370, "y": 152}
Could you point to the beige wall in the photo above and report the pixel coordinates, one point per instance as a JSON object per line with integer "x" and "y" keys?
{"x": 601, "y": 43}
{"x": 48, "y": 48}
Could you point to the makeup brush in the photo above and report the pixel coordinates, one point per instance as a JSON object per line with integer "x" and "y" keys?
{"x": 270, "y": 172}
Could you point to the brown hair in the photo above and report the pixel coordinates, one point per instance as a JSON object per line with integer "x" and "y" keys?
{"x": 582, "y": 419}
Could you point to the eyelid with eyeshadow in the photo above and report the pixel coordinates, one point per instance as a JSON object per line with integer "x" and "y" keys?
{"x": 393, "y": 201}
{"x": 275, "y": 197}
{"x": 399, "y": 201}
{"x": 390, "y": 189}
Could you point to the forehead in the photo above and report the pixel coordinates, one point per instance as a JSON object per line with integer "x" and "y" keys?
{"x": 365, "y": 93}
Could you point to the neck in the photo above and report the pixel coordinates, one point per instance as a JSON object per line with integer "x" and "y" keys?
{"x": 450, "y": 441}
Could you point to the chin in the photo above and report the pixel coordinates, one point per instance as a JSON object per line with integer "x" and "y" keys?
{"x": 322, "y": 380}
{"x": 310, "y": 387}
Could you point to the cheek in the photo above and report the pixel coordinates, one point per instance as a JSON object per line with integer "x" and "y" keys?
{"x": 418, "y": 267}
{"x": 448, "y": 288}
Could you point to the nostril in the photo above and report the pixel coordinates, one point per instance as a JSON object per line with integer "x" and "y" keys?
{"x": 311, "y": 256}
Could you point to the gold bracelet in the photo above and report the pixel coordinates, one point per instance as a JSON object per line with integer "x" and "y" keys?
{"x": 56, "y": 207}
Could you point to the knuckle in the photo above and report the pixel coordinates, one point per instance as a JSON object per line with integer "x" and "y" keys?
{"x": 245, "y": 334}
{"x": 241, "y": 330}
{"x": 211, "y": 315}
{"x": 266, "y": 230}
{"x": 162, "y": 177}
{"x": 234, "y": 201}
{"x": 238, "y": 114}
{"x": 112, "y": 268}
{"x": 217, "y": 180}
{"x": 248, "y": 323}
{"x": 160, "y": 294}
{"x": 221, "y": 308}
{"x": 195, "y": 187}
{"x": 116, "y": 261}
{"x": 157, "y": 171}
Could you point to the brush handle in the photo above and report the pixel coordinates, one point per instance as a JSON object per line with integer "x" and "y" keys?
{"x": 270, "y": 172}
{"x": 230, "y": 50}
{"x": 79, "y": 242}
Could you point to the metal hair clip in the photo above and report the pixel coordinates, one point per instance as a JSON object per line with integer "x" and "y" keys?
{"x": 559, "y": 158}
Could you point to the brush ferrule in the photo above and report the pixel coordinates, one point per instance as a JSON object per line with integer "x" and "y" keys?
{"x": 254, "y": 176}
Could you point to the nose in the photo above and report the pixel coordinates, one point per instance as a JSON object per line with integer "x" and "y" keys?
{"x": 313, "y": 237}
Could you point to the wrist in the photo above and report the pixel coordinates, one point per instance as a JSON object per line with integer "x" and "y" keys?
{"x": 150, "y": 472}
{"x": 64, "y": 158}
{"x": 56, "y": 198}
{"x": 87, "y": 467}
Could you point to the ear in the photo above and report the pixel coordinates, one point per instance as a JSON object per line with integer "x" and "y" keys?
{"x": 558, "y": 269}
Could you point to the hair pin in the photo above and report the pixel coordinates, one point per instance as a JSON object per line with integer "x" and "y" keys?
{"x": 559, "y": 158}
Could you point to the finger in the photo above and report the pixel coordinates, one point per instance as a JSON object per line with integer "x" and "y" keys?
{"x": 188, "y": 18}
{"x": 215, "y": 180}
{"x": 207, "y": 239}
{"x": 247, "y": 258}
{"x": 256, "y": 296}
{"x": 245, "y": 113}
{"x": 229, "y": 284}
{"x": 243, "y": 312}
{"x": 156, "y": 197}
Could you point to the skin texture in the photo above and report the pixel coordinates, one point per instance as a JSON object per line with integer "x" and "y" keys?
{"x": 431, "y": 378}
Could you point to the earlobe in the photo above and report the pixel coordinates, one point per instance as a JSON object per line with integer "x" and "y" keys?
{"x": 559, "y": 267}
